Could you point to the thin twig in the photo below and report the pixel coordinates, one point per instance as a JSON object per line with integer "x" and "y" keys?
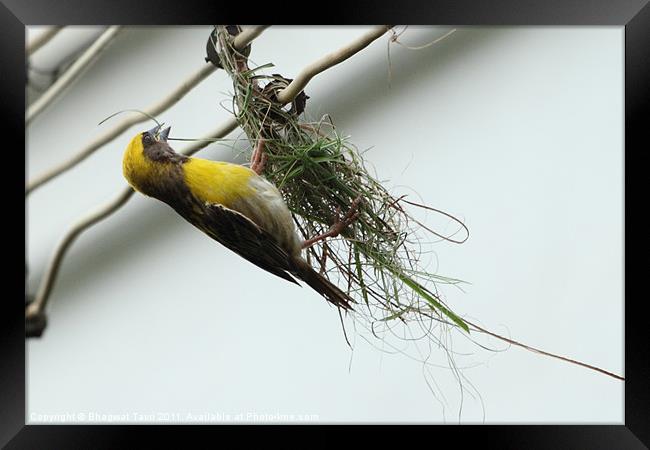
{"x": 72, "y": 73}
{"x": 327, "y": 61}
{"x": 42, "y": 39}
{"x": 40, "y": 301}
{"x": 542, "y": 352}
{"x": 429, "y": 44}
{"x": 242, "y": 40}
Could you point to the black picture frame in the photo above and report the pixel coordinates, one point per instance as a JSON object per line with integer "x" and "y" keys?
{"x": 634, "y": 15}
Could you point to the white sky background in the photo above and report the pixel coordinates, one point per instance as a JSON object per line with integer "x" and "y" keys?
{"x": 519, "y": 131}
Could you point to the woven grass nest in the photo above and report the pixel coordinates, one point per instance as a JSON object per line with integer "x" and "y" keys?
{"x": 320, "y": 174}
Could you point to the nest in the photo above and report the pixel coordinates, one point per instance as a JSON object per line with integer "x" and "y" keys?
{"x": 320, "y": 174}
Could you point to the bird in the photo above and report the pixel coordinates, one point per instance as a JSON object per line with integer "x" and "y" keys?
{"x": 234, "y": 205}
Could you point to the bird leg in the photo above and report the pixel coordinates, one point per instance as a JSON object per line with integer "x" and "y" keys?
{"x": 339, "y": 225}
{"x": 259, "y": 158}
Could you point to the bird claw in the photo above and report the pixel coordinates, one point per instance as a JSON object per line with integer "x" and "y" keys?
{"x": 351, "y": 215}
{"x": 259, "y": 158}
{"x": 342, "y": 223}
{"x": 339, "y": 224}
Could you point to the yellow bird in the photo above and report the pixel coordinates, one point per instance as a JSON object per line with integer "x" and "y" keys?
{"x": 232, "y": 204}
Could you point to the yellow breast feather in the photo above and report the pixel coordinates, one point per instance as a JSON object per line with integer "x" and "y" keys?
{"x": 217, "y": 182}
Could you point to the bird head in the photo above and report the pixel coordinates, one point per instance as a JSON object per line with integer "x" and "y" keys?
{"x": 147, "y": 156}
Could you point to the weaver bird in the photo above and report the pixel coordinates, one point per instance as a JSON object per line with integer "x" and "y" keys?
{"x": 232, "y": 204}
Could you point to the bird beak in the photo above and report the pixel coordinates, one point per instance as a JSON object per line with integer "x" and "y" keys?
{"x": 154, "y": 130}
{"x": 164, "y": 134}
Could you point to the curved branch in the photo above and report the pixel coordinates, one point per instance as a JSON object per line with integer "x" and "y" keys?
{"x": 106, "y": 137}
{"x": 45, "y": 287}
{"x": 42, "y": 39}
{"x": 72, "y": 73}
{"x": 247, "y": 35}
{"x": 298, "y": 84}
{"x": 37, "y": 307}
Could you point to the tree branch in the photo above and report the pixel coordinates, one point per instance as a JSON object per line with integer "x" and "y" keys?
{"x": 74, "y": 71}
{"x": 298, "y": 84}
{"x": 42, "y": 39}
{"x": 247, "y": 35}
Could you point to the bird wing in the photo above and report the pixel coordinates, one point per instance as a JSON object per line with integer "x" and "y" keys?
{"x": 247, "y": 239}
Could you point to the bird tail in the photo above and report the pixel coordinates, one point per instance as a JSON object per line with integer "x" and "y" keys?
{"x": 321, "y": 284}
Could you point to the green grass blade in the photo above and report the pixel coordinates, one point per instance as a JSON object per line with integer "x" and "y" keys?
{"x": 357, "y": 261}
{"x": 435, "y": 303}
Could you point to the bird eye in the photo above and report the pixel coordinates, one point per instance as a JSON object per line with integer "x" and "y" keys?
{"x": 146, "y": 138}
